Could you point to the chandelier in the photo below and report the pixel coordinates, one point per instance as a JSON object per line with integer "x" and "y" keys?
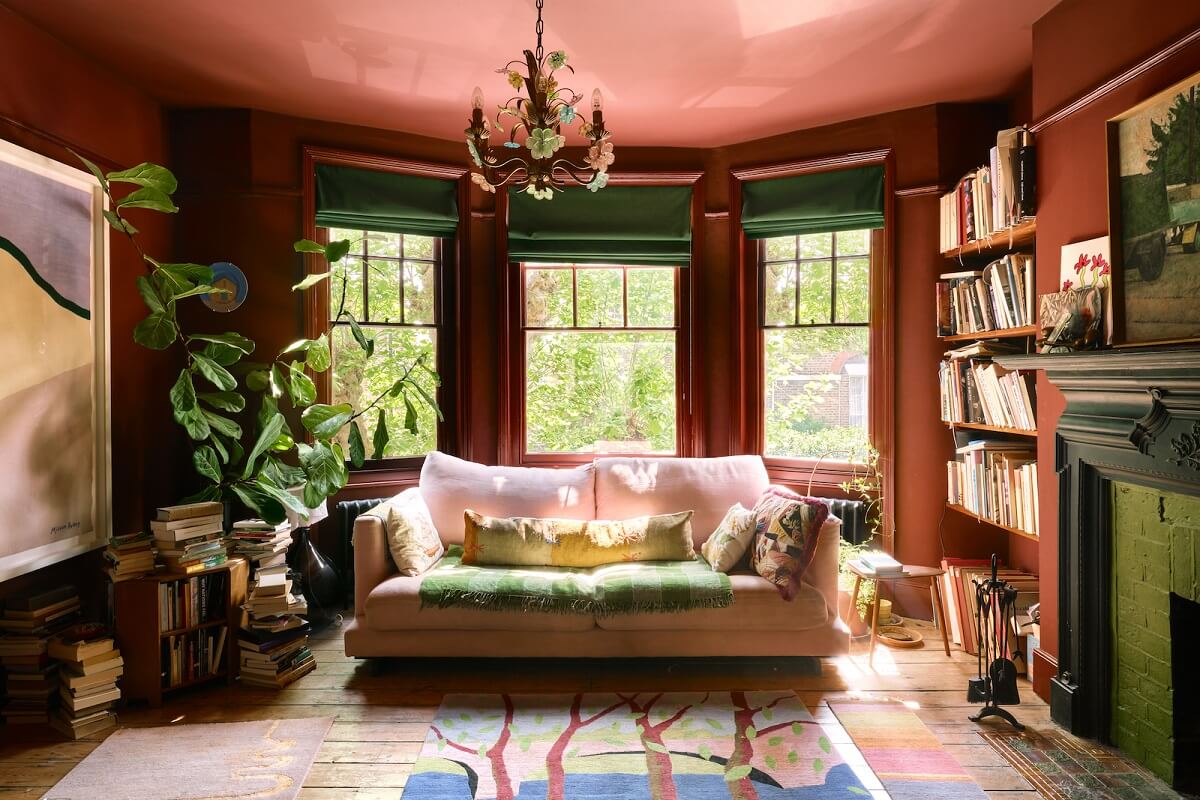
{"x": 539, "y": 117}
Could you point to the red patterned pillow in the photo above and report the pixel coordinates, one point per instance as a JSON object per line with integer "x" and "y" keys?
{"x": 787, "y": 527}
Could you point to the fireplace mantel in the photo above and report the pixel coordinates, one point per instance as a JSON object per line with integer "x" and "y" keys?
{"x": 1131, "y": 416}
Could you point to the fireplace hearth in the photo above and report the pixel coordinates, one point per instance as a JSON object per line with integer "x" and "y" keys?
{"x": 1132, "y": 421}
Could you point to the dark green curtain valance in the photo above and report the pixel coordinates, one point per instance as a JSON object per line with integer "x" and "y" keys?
{"x": 819, "y": 202}
{"x": 367, "y": 200}
{"x": 642, "y": 225}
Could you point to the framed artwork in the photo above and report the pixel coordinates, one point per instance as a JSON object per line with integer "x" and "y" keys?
{"x": 1154, "y": 217}
{"x": 55, "y": 464}
{"x": 1089, "y": 264}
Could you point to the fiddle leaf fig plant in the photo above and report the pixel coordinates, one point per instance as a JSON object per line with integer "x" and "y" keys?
{"x": 255, "y": 460}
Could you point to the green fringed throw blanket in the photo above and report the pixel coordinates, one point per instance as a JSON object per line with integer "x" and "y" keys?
{"x": 627, "y": 588}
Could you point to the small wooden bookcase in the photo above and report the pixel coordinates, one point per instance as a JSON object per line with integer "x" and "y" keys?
{"x": 141, "y": 640}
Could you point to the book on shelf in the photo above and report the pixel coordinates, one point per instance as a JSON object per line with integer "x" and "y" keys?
{"x": 992, "y": 198}
{"x": 192, "y": 601}
{"x": 193, "y": 656}
{"x": 958, "y": 581}
{"x": 998, "y": 297}
{"x": 997, "y": 481}
{"x": 978, "y": 391}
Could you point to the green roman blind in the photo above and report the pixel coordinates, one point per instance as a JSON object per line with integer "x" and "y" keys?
{"x": 819, "y": 202}
{"x": 638, "y": 225}
{"x": 368, "y": 200}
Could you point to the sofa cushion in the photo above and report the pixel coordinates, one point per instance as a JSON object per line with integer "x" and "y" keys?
{"x": 788, "y": 527}
{"x": 535, "y": 542}
{"x": 395, "y": 605}
{"x": 634, "y": 487}
{"x": 412, "y": 539}
{"x": 450, "y": 486}
{"x": 757, "y": 606}
{"x": 729, "y": 544}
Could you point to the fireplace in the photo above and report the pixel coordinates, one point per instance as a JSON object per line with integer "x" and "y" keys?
{"x": 1128, "y": 460}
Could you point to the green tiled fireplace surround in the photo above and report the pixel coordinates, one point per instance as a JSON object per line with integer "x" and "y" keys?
{"x": 1156, "y": 551}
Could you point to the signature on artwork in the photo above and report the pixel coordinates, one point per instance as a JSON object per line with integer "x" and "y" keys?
{"x": 58, "y": 530}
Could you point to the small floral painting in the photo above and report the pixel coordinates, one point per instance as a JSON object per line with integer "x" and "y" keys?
{"x": 1087, "y": 264}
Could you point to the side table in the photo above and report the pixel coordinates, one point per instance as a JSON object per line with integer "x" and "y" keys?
{"x": 935, "y": 596}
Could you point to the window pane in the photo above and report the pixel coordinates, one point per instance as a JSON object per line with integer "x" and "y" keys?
{"x": 599, "y": 297}
{"x": 816, "y": 393}
{"x": 548, "y": 298}
{"x": 782, "y": 248}
{"x": 854, "y": 243}
{"x": 815, "y": 292}
{"x": 779, "y": 294}
{"x": 854, "y": 290}
{"x": 347, "y": 275}
{"x": 358, "y": 381}
{"x": 383, "y": 244}
{"x": 600, "y": 392}
{"x": 338, "y": 234}
{"x": 816, "y": 245}
{"x": 383, "y": 291}
{"x": 418, "y": 292}
{"x": 418, "y": 247}
{"x": 651, "y": 297}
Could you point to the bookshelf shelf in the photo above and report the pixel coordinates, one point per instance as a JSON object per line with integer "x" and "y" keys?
{"x": 195, "y": 682}
{"x": 1018, "y": 237}
{"x": 216, "y": 623}
{"x": 969, "y": 513}
{"x": 978, "y": 426}
{"x": 1002, "y": 333}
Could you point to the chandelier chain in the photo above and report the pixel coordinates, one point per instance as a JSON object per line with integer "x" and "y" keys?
{"x": 538, "y": 28}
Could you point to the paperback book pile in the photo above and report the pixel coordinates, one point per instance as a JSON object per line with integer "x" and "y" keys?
{"x": 274, "y": 643}
{"x": 982, "y": 392}
{"x": 129, "y": 556}
{"x": 90, "y": 667}
{"x": 996, "y": 480}
{"x": 993, "y": 198}
{"x": 261, "y": 543}
{"x": 998, "y": 297}
{"x": 878, "y": 564}
{"x": 962, "y": 612}
{"x": 190, "y": 537}
{"x": 31, "y": 677}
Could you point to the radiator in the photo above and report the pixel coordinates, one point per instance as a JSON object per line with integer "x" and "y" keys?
{"x": 853, "y": 514}
{"x": 345, "y": 513}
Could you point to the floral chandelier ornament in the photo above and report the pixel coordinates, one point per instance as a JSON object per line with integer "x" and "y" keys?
{"x": 538, "y": 117}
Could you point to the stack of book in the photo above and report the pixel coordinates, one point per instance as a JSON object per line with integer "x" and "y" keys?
{"x": 992, "y": 198}
{"x": 129, "y": 556}
{"x": 982, "y": 392}
{"x": 876, "y": 564}
{"x": 191, "y": 611}
{"x": 261, "y": 543}
{"x": 998, "y": 297}
{"x": 190, "y": 537}
{"x": 274, "y": 643}
{"x": 962, "y": 612}
{"x": 996, "y": 480}
{"x": 29, "y": 623}
{"x": 90, "y": 667}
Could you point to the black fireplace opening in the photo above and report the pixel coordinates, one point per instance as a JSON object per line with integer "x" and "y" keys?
{"x": 1185, "y": 711}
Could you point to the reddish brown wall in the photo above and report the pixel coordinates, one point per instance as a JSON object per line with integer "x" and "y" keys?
{"x": 1078, "y": 46}
{"x": 52, "y": 98}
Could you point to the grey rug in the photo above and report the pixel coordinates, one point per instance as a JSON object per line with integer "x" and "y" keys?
{"x": 264, "y": 760}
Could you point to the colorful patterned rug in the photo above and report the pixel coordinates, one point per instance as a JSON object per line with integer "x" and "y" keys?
{"x": 1062, "y": 767}
{"x": 907, "y": 758}
{"x": 678, "y": 746}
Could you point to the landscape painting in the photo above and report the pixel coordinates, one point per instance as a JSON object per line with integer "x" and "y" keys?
{"x": 1154, "y": 209}
{"x": 54, "y": 447}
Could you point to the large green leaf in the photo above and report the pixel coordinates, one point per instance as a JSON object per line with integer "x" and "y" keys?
{"x": 149, "y": 296}
{"x": 258, "y": 380}
{"x": 358, "y": 451}
{"x": 286, "y": 498}
{"x": 324, "y": 467}
{"x": 278, "y": 383}
{"x": 183, "y": 394}
{"x": 258, "y": 500}
{"x": 410, "y": 416}
{"x": 148, "y": 197}
{"x": 281, "y": 474}
{"x": 223, "y": 354}
{"x": 149, "y": 175}
{"x": 368, "y": 345}
{"x": 230, "y": 339}
{"x": 301, "y": 387}
{"x": 318, "y": 357}
{"x": 195, "y": 423}
{"x": 156, "y": 331}
{"x": 337, "y": 250}
{"x": 219, "y": 446}
{"x": 310, "y": 280}
{"x": 204, "y": 458}
{"x": 308, "y": 246}
{"x": 195, "y": 290}
{"x": 324, "y": 421}
{"x": 428, "y": 400}
{"x": 225, "y": 401}
{"x": 214, "y": 373}
{"x": 223, "y": 424}
{"x": 119, "y": 224}
{"x": 181, "y": 277}
{"x": 266, "y": 437}
{"x": 379, "y": 441}
{"x": 95, "y": 170}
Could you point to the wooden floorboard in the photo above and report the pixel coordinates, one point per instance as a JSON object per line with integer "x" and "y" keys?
{"x": 381, "y": 711}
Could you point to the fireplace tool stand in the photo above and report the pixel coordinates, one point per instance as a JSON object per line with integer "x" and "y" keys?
{"x": 996, "y": 684}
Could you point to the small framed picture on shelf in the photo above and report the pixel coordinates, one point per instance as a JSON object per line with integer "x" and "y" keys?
{"x": 1154, "y": 217}
{"x": 1079, "y": 315}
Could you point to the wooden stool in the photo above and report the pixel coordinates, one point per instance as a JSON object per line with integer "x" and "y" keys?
{"x": 935, "y": 596}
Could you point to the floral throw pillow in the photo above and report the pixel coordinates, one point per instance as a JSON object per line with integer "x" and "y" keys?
{"x": 730, "y": 541}
{"x": 787, "y": 527}
{"x": 412, "y": 540}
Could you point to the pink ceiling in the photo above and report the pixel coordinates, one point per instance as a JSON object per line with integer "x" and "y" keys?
{"x": 673, "y": 72}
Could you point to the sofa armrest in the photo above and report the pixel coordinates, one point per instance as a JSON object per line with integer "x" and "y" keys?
{"x": 372, "y": 561}
{"x": 823, "y": 570}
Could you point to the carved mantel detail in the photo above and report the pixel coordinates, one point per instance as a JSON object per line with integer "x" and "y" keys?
{"x": 1187, "y": 448}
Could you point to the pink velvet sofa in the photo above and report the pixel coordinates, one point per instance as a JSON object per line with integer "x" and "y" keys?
{"x": 389, "y": 620}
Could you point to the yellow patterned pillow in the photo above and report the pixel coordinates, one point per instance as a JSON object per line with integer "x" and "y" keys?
{"x": 730, "y": 542}
{"x": 412, "y": 540}
{"x": 532, "y": 542}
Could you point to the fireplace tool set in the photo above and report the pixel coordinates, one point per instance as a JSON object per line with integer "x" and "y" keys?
{"x": 996, "y": 684}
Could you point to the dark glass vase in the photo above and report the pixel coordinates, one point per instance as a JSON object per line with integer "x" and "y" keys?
{"x": 319, "y": 582}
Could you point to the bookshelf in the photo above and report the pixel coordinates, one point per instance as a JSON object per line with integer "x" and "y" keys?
{"x": 966, "y": 512}
{"x": 978, "y": 426}
{"x": 1019, "y": 237}
{"x": 1023, "y": 332}
{"x": 145, "y": 631}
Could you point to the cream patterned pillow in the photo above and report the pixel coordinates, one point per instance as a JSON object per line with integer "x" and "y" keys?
{"x": 731, "y": 540}
{"x": 412, "y": 540}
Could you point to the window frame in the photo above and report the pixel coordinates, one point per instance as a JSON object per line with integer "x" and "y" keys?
{"x": 511, "y": 395}
{"x": 450, "y": 324}
{"x": 747, "y": 433}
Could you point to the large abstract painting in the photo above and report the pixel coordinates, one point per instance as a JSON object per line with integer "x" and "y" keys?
{"x": 54, "y": 434}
